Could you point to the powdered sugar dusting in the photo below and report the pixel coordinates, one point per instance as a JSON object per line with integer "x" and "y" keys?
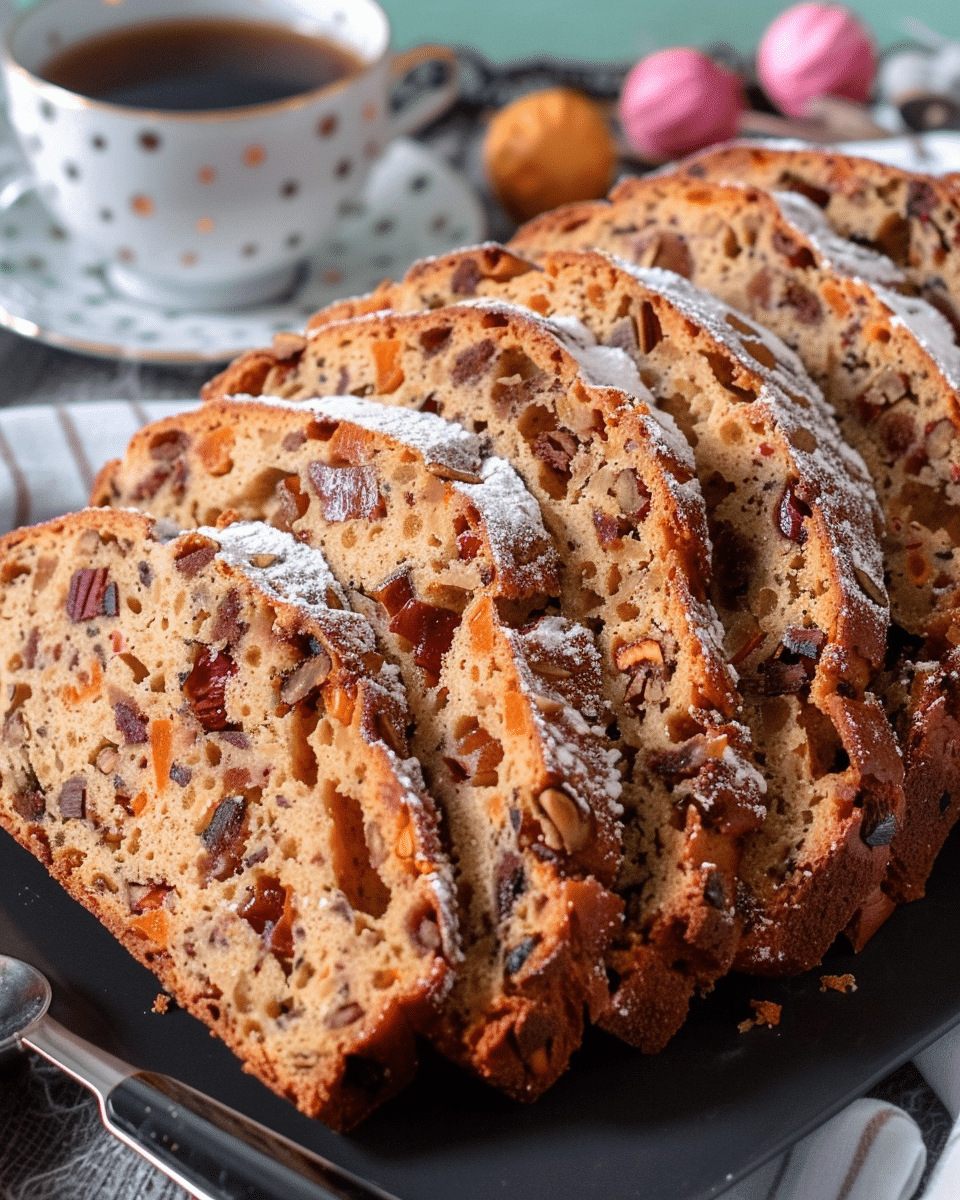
{"x": 439, "y": 442}
{"x": 512, "y": 519}
{"x": 609, "y": 366}
{"x": 584, "y": 759}
{"x": 297, "y": 573}
{"x": 929, "y": 327}
{"x": 844, "y": 256}
{"x": 846, "y": 496}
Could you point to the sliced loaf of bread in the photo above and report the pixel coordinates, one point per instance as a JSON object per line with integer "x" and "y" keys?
{"x": 910, "y": 218}
{"x": 429, "y": 536}
{"x": 202, "y": 743}
{"x": 759, "y": 429}
{"x": 889, "y": 369}
{"x": 615, "y": 482}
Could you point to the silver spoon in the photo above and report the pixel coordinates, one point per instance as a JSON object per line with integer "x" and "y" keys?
{"x": 205, "y": 1147}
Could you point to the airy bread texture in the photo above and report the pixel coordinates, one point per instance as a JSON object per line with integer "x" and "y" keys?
{"x": 429, "y": 536}
{"x": 616, "y": 485}
{"x": 760, "y": 431}
{"x": 198, "y": 738}
{"x": 890, "y": 370}
{"x": 911, "y": 219}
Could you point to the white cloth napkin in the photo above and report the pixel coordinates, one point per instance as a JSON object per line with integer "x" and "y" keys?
{"x": 870, "y": 1151}
{"x": 940, "y": 1067}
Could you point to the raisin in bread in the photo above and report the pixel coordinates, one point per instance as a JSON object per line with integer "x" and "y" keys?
{"x": 205, "y": 748}
{"x": 616, "y": 485}
{"x": 428, "y": 535}
{"x": 912, "y": 219}
{"x": 887, "y": 365}
{"x": 704, "y": 364}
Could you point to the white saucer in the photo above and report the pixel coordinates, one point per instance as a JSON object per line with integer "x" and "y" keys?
{"x": 55, "y": 289}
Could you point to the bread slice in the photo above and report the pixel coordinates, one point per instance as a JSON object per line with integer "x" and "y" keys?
{"x": 203, "y": 745}
{"x": 911, "y": 218}
{"x": 429, "y": 537}
{"x": 888, "y": 367}
{"x": 744, "y": 400}
{"x": 616, "y": 487}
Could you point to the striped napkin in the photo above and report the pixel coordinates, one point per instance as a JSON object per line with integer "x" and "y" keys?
{"x": 870, "y": 1151}
{"x": 51, "y": 453}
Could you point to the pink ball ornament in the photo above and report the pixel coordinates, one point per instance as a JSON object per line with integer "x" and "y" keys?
{"x": 815, "y": 50}
{"x": 678, "y": 101}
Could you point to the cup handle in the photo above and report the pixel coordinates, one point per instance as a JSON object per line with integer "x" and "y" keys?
{"x": 16, "y": 178}
{"x": 441, "y": 88}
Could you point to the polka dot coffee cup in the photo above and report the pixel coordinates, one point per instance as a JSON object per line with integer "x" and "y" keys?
{"x": 211, "y": 208}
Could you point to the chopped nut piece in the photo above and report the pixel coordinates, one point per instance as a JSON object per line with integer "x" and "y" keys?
{"x": 205, "y": 688}
{"x": 838, "y": 983}
{"x": 107, "y": 760}
{"x": 647, "y": 651}
{"x": 304, "y": 678}
{"x": 571, "y": 824}
{"x": 73, "y": 798}
{"x": 444, "y": 470}
{"x": 765, "y": 1013}
{"x": 86, "y": 597}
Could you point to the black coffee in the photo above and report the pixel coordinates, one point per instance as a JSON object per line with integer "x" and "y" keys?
{"x": 199, "y": 63}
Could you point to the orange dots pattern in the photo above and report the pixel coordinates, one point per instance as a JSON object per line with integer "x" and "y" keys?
{"x": 142, "y": 205}
{"x": 207, "y": 175}
{"x": 254, "y": 156}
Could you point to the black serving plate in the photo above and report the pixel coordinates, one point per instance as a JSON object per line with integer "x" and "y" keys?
{"x": 681, "y": 1125}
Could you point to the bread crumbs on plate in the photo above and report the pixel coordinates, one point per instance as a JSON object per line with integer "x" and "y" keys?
{"x": 765, "y": 1012}
{"x": 161, "y": 1004}
{"x": 838, "y": 983}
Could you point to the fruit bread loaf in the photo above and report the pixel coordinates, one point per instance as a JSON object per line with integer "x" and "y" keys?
{"x": 199, "y": 738}
{"x": 428, "y": 536}
{"x": 616, "y": 485}
{"x": 888, "y": 367}
{"x": 705, "y": 364}
{"x": 910, "y": 218}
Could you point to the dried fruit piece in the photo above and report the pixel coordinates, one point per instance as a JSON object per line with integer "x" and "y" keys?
{"x": 269, "y": 911}
{"x": 222, "y": 839}
{"x": 131, "y": 723}
{"x": 685, "y": 762}
{"x": 792, "y": 511}
{"x": 430, "y": 629}
{"x": 147, "y": 897}
{"x": 30, "y": 804}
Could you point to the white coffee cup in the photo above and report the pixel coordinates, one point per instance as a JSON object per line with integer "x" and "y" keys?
{"x": 215, "y": 208}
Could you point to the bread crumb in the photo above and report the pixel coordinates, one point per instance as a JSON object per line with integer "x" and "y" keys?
{"x": 161, "y": 1004}
{"x": 765, "y": 1012}
{"x": 838, "y": 983}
